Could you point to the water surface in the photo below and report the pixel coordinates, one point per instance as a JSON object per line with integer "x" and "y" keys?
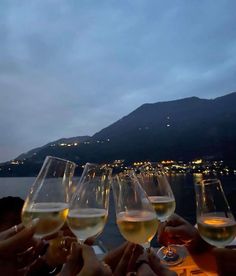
{"x": 182, "y": 185}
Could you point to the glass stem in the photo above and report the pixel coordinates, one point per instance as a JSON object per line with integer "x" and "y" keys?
{"x": 80, "y": 241}
{"x": 146, "y": 245}
{"x": 169, "y": 250}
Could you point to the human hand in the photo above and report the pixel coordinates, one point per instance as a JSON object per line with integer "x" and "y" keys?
{"x": 157, "y": 267}
{"x": 58, "y": 250}
{"x": 178, "y": 231}
{"x": 15, "y": 240}
{"x": 122, "y": 260}
{"x": 225, "y": 260}
{"x": 148, "y": 264}
{"x": 16, "y": 248}
{"x": 83, "y": 262}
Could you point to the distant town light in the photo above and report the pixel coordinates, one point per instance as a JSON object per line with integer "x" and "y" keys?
{"x": 167, "y": 162}
{"x": 15, "y": 162}
{"x": 199, "y": 161}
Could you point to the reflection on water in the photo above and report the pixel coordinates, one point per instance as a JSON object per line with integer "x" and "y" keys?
{"x": 182, "y": 185}
{"x": 197, "y": 177}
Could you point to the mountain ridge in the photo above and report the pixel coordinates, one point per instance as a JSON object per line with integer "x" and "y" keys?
{"x": 185, "y": 129}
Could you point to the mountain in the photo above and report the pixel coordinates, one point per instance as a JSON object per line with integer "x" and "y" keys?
{"x": 182, "y": 129}
{"x": 72, "y": 140}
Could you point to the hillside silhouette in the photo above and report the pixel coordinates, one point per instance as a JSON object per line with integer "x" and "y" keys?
{"x": 182, "y": 129}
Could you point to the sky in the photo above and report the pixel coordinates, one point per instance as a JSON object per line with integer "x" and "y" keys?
{"x": 70, "y": 68}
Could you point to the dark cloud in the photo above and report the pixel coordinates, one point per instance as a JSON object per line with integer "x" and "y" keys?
{"x": 71, "y": 68}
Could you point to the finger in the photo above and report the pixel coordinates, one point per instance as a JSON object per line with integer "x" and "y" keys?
{"x": 19, "y": 242}
{"x": 90, "y": 241}
{"x": 11, "y": 231}
{"x": 122, "y": 266}
{"x": 88, "y": 254}
{"x": 74, "y": 261}
{"x": 154, "y": 261}
{"x": 175, "y": 220}
{"x": 179, "y": 234}
{"x": 137, "y": 251}
{"x": 146, "y": 270}
{"x": 176, "y": 232}
{"x": 26, "y": 258}
{"x": 91, "y": 265}
{"x": 75, "y": 251}
{"x": 157, "y": 266}
{"x": 52, "y": 236}
{"x": 113, "y": 257}
{"x": 183, "y": 233}
{"x": 40, "y": 247}
{"x": 106, "y": 269}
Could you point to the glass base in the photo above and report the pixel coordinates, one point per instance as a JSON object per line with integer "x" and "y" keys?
{"x": 173, "y": 257}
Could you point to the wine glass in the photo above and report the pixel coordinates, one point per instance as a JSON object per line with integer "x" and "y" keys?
{"x": 89, "y": 207}
{"x": 47, "y": 201}
{"x": 216, "y": 223}
{"x": 135, "y": 216}
{"x": 154, "y": 181}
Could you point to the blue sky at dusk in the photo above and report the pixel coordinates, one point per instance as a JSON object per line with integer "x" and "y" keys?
{"x": 71, "y": 68}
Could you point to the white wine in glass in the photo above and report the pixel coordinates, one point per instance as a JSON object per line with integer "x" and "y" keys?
{"x": 135, "y": 216}
{"x": 89, "y": 207}
{"x": 163, "y": 205}
{"x": 47, "y": 201}
{"x": 216, "y": 223}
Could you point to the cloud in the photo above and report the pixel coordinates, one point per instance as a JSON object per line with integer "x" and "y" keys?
{"x": 72, "y": 68}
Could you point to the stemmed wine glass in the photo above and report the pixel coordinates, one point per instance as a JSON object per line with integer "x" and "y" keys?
{"x": 216, "y": 223}
{"x": 89, "y": 206}
{"x": 48, "y": 199}
{"x": 135, "y": 216}
{"x": 154, "y": 181}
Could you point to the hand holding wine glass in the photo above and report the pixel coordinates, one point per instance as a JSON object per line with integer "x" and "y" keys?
{"x": 89, "y": 207}
{"x": 47, "y": 201}
{"x": 135, "y": 216}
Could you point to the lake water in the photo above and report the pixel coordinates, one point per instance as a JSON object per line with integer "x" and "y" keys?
{"x": 182, "y": 185}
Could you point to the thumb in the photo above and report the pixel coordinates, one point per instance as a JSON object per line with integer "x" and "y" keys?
{"x": 88, "y": 255}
